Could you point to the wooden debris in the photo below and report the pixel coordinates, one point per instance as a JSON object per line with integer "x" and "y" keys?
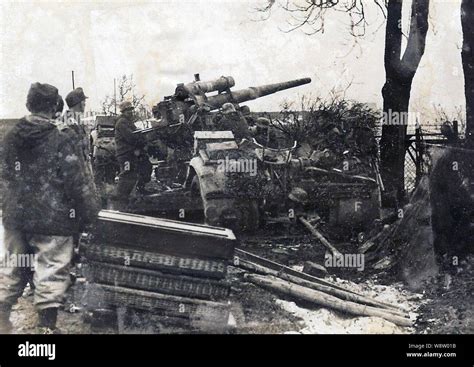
{"x": 373, "y": 241}
{"x": 248, "y": 256}
{"x": 320, "y": 237}
{"x": 314, "y": 269}
{"x": 322, "y": 288}
{"x": 324, "y": 299}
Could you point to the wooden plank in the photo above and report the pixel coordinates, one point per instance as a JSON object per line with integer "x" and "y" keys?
{"x": 335, "y": 252}
{"x": 245, "y": 255}
{"x": 325, "y": 300}
{"x": 165, "y": 224}
{"x": 323, "y": 288}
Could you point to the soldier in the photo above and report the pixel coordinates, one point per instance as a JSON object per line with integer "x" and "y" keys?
{"x": 452, "y": 200}
{"x": 76, "y": 101}
{"x": 447, "y": 129}
{"x": 48, "y": 198}
{"x": 233, "y": 121}
{"x": 245, "y": 111}
{"x": 60, "y": 107}
{"x": 265, "y": 134}
{"x": 135, "y": 167}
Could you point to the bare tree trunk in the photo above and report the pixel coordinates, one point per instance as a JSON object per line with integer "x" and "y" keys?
{"x": 400, "y": 72}
{"x": 467, "y": 54}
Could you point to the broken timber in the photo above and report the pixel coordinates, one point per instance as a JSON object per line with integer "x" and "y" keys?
{"x": 323, "y": 299}
{"x": 244, "y": 255}
{"x": 320, "y": 237}
{"x": 348, "y": 296}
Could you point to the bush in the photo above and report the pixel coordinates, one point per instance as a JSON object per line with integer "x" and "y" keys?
{"x": 337, "y": 123}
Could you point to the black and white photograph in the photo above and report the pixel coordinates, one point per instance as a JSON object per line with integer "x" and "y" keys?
{"x": 203, "y": 172}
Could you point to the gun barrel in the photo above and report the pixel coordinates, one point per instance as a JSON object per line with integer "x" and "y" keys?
{"x": 195, "y": 88}
{"x": 251, "y": 93}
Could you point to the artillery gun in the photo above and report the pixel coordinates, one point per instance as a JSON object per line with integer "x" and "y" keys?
{"x": 191, "y": 100}
{"x": 192, "y": 108}
{"x": 242, "y": 185}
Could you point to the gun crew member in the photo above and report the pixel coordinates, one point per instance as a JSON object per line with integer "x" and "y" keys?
{"x": 135, "y": 167}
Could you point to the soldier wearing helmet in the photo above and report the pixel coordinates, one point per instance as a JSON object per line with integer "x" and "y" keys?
{"x": 135, "y": 167}
{"x": 232, "y": 120}
{"x": 265, "y": 134}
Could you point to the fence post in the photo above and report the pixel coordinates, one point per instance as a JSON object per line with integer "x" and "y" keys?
{"x": 456, "y": 129}
{"x": 418, "y": 154}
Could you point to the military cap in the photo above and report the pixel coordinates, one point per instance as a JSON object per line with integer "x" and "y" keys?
{"x": 75, "y": 97}
{"x": 228, "y": 108}
{"x": 126, "y": 105}
{"x": 245, "y": 110}
{"x": 298, "y": 195}
{"x": 263, "y": 122}
{"x": 41, "y": 97}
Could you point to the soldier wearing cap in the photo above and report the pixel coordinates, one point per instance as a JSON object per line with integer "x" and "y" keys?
{"x": 72, "y": 122}
{"x": 48, "y": 198}
{"x": 135, "y": 167}
{"x": 232, "y": 120}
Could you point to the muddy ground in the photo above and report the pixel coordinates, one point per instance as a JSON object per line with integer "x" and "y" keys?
{"x": 443, "y": 306}
{"x": 448, "y": 306}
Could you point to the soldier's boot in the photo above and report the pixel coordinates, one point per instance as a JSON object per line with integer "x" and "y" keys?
{"x": 5, "y": 324}
{"x": 47, "y": 319}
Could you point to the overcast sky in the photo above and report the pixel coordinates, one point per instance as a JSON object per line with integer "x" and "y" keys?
{"x": 165, "y": 42}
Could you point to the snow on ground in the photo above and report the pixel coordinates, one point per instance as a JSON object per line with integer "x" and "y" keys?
{"x": 395, "y": 294}
{"x": 313, "y": 321}
{"x": 326, "y": 321}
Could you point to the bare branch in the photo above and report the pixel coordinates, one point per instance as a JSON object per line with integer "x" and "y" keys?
{"x": 126, "y": 91}
{"x": 310, "y": 14}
